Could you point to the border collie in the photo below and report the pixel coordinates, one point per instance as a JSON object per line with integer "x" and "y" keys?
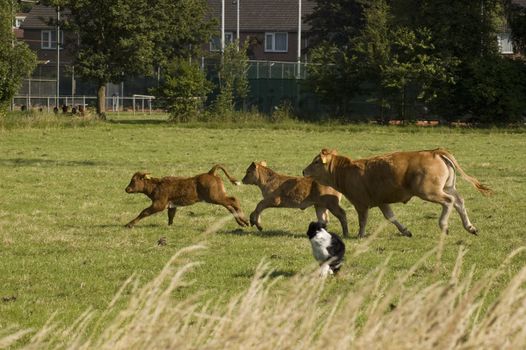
{"x": 328, "y": 249}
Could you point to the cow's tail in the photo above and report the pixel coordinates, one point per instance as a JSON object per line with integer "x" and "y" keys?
{"x": 219, "y": 166}
{"x": 449, "y": 158}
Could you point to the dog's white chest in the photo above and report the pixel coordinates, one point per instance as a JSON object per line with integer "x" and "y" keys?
{"x": 320, "y": 242}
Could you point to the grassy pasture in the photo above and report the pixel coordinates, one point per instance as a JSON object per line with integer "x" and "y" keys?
{"x": 63, "y": 247}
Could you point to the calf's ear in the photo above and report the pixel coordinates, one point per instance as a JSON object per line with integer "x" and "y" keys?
{"x": 147, "y": 176}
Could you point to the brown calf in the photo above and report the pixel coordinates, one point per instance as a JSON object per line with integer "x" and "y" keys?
{"x": 394, "y": 178}
{"x": 171, "y": 192}
{"x": 281, "y": 191}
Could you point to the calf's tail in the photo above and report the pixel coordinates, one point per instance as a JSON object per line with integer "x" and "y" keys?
{"x": 218, "y": 166}
{"x": 449, "y": 158}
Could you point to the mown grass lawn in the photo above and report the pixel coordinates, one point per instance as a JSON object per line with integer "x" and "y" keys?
{"x": 64, "y": 248}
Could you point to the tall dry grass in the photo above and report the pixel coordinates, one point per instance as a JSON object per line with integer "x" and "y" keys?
{"x": 296, "y": 314}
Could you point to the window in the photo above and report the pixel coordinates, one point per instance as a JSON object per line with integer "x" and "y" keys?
{"x": 276, "y": 42}
{"x": 49, "y": 39}
{"x": 18, "y": 21}
{"x": 505, "y": 43}
{"x": 215, "y": 44}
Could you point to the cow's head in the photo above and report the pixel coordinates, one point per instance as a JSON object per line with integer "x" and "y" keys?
{"x": 252, "y": 174}
{"x": 138, "y": 182}
{"x": 320, "y": 165}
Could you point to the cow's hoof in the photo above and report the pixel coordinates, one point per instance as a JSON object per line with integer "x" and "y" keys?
{"x": 128, "y": 225}
{"x": 360, "y": 236}
{"x": 407, "y": 233}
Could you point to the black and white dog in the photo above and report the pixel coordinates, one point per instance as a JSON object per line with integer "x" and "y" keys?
{"x": 328, "y": 249}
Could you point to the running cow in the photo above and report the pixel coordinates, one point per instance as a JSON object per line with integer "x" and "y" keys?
{"x": 172, "y": 192}
{"x": 282, "y": 191}
{"x": 393, "y": 178}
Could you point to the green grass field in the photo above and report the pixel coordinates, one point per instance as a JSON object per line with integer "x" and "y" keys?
{"x": 64, "y": 248}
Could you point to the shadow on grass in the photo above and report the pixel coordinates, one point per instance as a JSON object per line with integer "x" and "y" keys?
{"x": 273, "y": 274}
{"x": 263, "y": 234}
{"x": 21, "y": 162}
{"x": 139, "y": 121}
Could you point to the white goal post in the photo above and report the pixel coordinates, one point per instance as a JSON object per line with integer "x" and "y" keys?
{"x": 149, "y": 98}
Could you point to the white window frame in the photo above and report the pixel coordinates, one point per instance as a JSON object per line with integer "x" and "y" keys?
{"x": 49, "y": 44}
{"x": 272, "y": 36}
{"x": 229, "y": 39}
{"x": 507, "y": 37}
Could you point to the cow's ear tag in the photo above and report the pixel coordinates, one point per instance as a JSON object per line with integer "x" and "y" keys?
{"x": 323, "y": 160}
{"x": 148, "y": 177}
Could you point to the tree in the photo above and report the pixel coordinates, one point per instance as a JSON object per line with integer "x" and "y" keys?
{"x": 17, "y": 61}
{"x": 517, "y": 21}
{"x": 129, "y": 37}
{"x": 232, "y": 78}
{"x": 184, "y": 89}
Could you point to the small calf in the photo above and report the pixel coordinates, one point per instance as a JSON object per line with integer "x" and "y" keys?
{"x": 282, "y": 191}
{"x": 171, "y": 192}
{"x": 328, "y": 249}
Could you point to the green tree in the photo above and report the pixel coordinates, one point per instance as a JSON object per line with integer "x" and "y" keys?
{"x": 184, "y": 89}
{"x": 517, "y": 21}
{"x": 17, "y": 61}
{"x": 131, "y": 37}
{"x": 232, "y": 78}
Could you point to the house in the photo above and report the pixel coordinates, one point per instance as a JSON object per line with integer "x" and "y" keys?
{"x": 504, "y": 37}
{"x": 271, "y": 27}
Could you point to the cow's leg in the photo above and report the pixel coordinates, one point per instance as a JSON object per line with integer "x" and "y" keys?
{"x": 152, "y": 209}
{"x": 389, "y": 215}
{"x": 171, "y": 213}
{"x": 461, "y": 210}
{"x": 362, "y": 219}
{"x": 338, "y": 211}
{"x": 230, "y": 203}
{"x": 322, "y": 214}
{"x": 447, "y": 201}
{"x": 255, "y": 218}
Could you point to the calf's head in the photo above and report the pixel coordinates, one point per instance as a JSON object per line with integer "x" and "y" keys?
{"x": 319, "y": 168}
{"x": 138, "y": 182}
{"x": 252, "y": 174}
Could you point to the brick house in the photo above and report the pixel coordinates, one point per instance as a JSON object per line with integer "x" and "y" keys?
{"x": 271, "y": 27}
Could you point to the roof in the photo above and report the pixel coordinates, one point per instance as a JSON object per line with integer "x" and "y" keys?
{"x": 262, "y": 15}
{"x": 519, "y": 2}
{"x": 39, "y": 16}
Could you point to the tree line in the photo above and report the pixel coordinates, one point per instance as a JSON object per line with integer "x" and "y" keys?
{"x": 439, "y": 53}
{"x": 443, "y": 55}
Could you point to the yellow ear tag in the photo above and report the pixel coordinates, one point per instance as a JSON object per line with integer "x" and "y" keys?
{"x": 148, "y": 177}
{"x": 324, "y": 160}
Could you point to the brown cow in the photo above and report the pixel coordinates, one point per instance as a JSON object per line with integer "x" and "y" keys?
{"x": 281, "y": 191}
{"x": 171, "y": 192}
{"x": 393, "y": 178}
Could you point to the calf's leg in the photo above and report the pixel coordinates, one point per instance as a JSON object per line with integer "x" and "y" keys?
{"x": 232, "y": 204}
{"x": 255, "y": 218}
{"x": 362, "y": 219}
{"x": 322, "y": 214}
{"x": 171, "y": 213}
{"x": 338, "y": 211}
{"x": 152, "y": 209}
{"x": 389, "y": 215}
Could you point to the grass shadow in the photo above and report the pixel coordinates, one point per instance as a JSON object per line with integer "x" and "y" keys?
{"x": 273, "y": 274}
{"x": 264, "y": 233}
{"x": 24, "y": 162}
{"x": 138, "y": 121}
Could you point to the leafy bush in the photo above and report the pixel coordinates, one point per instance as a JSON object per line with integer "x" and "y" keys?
{"x": 183, "y": 90}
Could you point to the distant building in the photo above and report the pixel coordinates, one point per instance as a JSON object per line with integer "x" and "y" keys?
{"x": 271, "y": 27}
